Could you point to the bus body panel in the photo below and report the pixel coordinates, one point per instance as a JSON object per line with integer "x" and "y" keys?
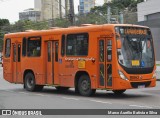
{"x": 62, "y": 71}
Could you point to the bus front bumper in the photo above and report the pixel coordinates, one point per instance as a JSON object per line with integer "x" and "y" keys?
{"x": 124, "y": 84}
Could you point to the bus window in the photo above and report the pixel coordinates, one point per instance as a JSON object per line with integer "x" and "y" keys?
{"x": 24, "y": 47}
{"x": 49, "y": 51}
{"x": 19, "y": 52}
{"x": 63, "y": 45}
{"x": 7, "y": 48}
{"x": 56, "y": 51}
{"x": 14, "y": 53}
{"x": 101, "y": 46}
{"x": 77, "y": 45}
{"x": 34, "y": 47}
{"x": 109, "y": 51}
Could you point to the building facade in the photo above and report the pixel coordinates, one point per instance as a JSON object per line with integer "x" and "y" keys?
{"x": 149, "y": 15}
{"x": 30, "y": 14}
{"x": 49, "y": 8}
{"x": 85, "y": 6}
{"x": 148, "y": 10}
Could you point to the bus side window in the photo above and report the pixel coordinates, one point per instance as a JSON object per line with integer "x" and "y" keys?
{"x": 19, "y": 53}
{"x": 34, "y": 47}
{"x": 109, "y": 50}
{"x": 14, "y": 53}
{"x": 7, "y": 48}
{"x": 56, "y": 51}
{"x": 24, "y": 46}
{"x": 63, "y": 45}
{"x": 49, "y": 51}
{"x": 77, "y": 44}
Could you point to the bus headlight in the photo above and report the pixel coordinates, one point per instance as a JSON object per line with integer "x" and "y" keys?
{"x": 154, "y": 74}
{"x": 122, "y": 75}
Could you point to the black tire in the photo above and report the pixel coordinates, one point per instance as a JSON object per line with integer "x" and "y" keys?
{"x": 30, "y": 84}
{"x": 59, "y": 88}
{"x": 118, "y": 92}
{"x": 84, "y": 86}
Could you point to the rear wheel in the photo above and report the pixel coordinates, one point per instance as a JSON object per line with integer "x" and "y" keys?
{"x": 118, "y": 92}
{"x": 30, "y": 84}
{"x": 84, "y": 86}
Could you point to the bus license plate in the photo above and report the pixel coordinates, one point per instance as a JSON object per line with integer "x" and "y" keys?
{"x": 135, "y": 63}
{"x": 141, "y": 86}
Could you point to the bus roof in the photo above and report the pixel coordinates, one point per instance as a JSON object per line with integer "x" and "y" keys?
{"x": 73, "y": 29}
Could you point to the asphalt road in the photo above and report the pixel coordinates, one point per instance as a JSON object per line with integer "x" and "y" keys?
{"x": 13, "y": 96}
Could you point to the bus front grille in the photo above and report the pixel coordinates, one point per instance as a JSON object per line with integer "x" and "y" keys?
{"x": 137, "y": 84}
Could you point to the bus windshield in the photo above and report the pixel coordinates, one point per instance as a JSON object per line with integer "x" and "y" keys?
{"x": 136, "y": 49}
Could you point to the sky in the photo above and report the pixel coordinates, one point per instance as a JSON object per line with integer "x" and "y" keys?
{"x": 9, "y": 9}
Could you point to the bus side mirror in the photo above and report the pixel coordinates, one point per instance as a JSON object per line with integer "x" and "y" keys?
{"x": 119, "y": 45}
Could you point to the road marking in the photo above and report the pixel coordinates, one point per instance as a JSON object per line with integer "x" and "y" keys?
{"x": 140, "y": 106}
{"x": 39, "y": 94}
{"x": 70, "y": 98}
{"x": 8, "y": 91}
{"x": 100, "y": 101}
{"x": 23, "y": 92}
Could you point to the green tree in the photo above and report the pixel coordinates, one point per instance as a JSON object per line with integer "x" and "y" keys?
{"x": 117, "y": 6}
{"x": 3, "y": 23}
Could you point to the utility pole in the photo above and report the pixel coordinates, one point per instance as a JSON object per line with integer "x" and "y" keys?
{"x": 66, "y": 8}
{"x": 52, "y": 13}
{"x": 60, "y": 9}
{"x": 108, "y": 12}
{"x": 121, "y": 17}
{"x": 71, "y": 14}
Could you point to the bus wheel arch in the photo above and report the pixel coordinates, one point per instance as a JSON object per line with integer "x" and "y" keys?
{"x": 30, "y": 82}
{"x": 83, "y": 77}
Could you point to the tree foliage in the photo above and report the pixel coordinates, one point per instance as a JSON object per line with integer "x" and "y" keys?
{"x": 118, "y": 6}
{"x": 3, "y": 22}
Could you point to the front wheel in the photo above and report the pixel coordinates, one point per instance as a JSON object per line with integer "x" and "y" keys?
{"x": 30, "y": 84}
{"x": 84, "y": 86}
{"x": 118, "y": 92}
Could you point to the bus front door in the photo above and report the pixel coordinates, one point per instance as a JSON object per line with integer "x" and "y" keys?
{"x": 105, "y": 63}
{"x": 52, "y": 63}
{"x": 17, "y": 74}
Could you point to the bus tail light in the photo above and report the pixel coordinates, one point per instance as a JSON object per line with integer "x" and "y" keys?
{"x": 122, "y": 75}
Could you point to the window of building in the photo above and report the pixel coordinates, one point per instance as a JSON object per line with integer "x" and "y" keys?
{"x": 7, "y": 48}
{"x": 34, "y": 47}
{"x": 77, "y": 44}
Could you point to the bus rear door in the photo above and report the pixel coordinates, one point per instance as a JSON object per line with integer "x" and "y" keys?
{"x": 17, "y": 75}
{"x": 52, "y": 62}
{"x": 105, "y": 63}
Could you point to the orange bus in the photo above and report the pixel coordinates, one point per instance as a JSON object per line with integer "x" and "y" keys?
{"x": 113, "y": 57}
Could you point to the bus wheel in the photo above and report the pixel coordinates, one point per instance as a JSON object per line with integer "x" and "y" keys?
{"x": 59, "y": 88}
{"x": 84, "y": 86}
{"x": 118, "y": 92}
{"x": 30, "y": 84}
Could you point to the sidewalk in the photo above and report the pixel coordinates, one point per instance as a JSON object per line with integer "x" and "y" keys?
{"x": 158, "y": 72}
